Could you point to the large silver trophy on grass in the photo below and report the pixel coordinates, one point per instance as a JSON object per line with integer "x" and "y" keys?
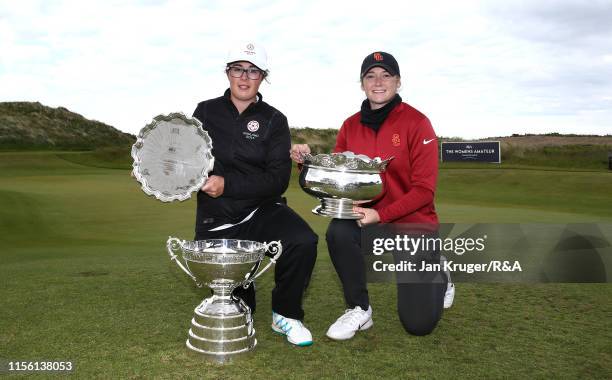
{"x": 222, "y": 325}
{"x": 341, "y": 181}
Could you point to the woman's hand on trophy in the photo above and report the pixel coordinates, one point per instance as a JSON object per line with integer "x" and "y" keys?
{"x": 214, "y": 186}
{"x": 370, "y": 216}
{"x": 298, "y": 151}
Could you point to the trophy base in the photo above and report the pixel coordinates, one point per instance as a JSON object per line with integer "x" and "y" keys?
{"x": 336, "y": 208}
{"x": 221, "y": 328}
{"x": 217, "y": 357}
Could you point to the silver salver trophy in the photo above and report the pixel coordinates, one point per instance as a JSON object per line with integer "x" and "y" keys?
{"x": 172, "y": 159}
{"x": 341, "y": 181}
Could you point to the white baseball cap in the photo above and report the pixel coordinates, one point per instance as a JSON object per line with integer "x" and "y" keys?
{"x": 250, "y": 52}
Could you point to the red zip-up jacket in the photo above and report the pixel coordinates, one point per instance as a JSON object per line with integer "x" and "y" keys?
{"x": 410, "y": 178}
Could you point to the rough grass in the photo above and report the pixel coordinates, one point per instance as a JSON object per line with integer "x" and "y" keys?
{"x": 585, "y": 156}
{"x": 31, "y": 125}
{"x": 85, "y": 277}
{"x": 319, "y": 140}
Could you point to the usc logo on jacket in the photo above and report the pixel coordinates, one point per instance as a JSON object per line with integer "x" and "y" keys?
{"x": 395, "y": 139}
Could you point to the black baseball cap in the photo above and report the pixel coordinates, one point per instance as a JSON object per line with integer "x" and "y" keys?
{"x": 380, "y": 59}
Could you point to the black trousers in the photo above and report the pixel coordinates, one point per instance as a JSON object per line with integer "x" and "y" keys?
{"x": 419, "y": 303}
{"x": 276, "y": 221}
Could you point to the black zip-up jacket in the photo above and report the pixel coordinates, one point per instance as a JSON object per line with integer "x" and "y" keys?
{"x": 251, "y": 152}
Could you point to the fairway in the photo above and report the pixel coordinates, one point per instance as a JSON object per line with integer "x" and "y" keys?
{"x": 86, "y": 278}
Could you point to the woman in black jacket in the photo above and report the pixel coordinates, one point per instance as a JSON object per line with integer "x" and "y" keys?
{"x": 242, "y": 198}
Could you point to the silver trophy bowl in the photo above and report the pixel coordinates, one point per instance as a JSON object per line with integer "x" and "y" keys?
{"x": 222, "y": 325}
{"x": 341, "y": 181}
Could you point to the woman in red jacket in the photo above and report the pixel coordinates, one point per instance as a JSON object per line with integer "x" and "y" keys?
{"x": 386, "y": 127}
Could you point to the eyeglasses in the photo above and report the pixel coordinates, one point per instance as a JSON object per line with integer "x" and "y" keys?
{"x": 251, "y": 72}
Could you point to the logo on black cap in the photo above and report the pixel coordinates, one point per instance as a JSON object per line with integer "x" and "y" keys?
{"x": 380, "y": 59}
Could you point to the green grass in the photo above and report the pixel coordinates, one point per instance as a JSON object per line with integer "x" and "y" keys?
{"x": 527, "y": 195}
{"x": 108, "y": 158}
{"x": 85, "y": 277}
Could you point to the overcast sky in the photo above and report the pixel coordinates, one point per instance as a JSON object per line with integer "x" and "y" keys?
{"x": 476, "y": 68}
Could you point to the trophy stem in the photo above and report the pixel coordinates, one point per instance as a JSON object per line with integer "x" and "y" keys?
{"x": 340, "y": 208}
{"x": 223, "y": 288}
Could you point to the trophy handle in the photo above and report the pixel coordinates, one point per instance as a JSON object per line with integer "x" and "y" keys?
{"x": 273, "y": 251}
{"x": 384, "y": 163}
{"x": 306, "y": 157}
{"x": 174, "y": 244}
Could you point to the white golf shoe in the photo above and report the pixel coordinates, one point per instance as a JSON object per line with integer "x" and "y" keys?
{"x": 449, "y": 296}
{"x": 294, "y": 329}
{"x": 350, "y": 322}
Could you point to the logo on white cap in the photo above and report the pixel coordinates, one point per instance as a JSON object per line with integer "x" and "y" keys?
{"x": 250, "y": 52}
